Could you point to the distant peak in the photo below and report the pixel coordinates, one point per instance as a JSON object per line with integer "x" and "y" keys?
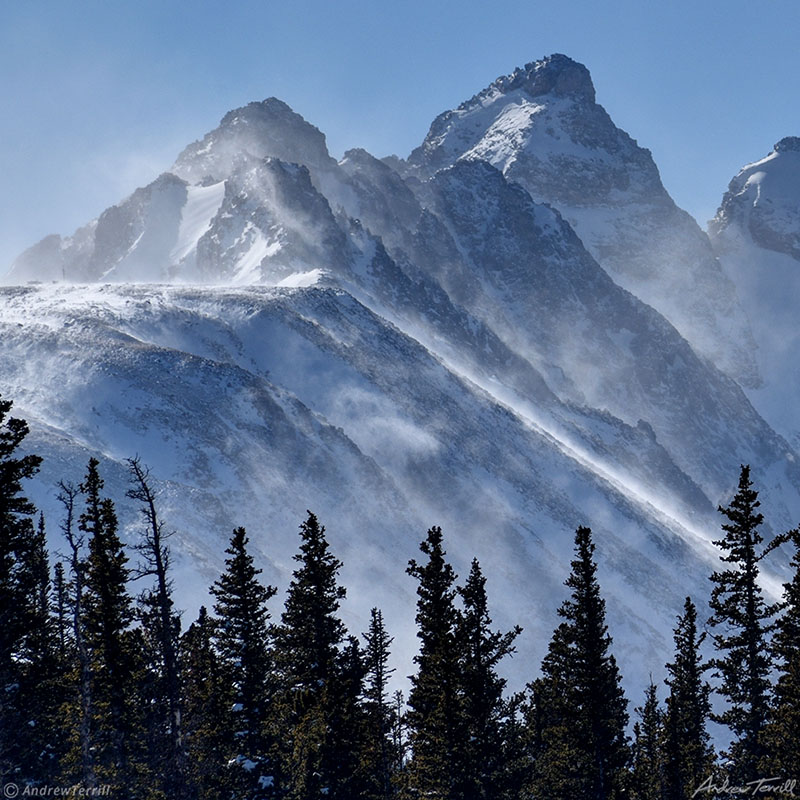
{"x": 269, "y": 128}
{"x": 788, "y": 144}
{"x": 556, "y": 74}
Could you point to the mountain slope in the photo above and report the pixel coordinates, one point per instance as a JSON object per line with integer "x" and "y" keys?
{"x": 251, "y": 404}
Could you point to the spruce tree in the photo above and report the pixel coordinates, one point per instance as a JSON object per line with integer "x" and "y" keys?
{"x": 436, "y": 718}
{"x": 65, "y": 667}
{"x": 16, "y": 541}
{"x": 344, "y": 713}
{"x": 559, "y": 764}
{"x": 579, "y": 711}
{"x": 207, "y": 698}
{"x": 42, "y": 687}
{"x": 320, "y": 674}
{"x": 482, "y": 649}
{"x": 379, "y": 759}
{"x": 242, "y": 641}
{"x": 647, "y": 779}
{"x": 742, "y": 620}
{"x": 782, "y": 735}
{"x": 688, "y": 755}
{"x": 39, "y": 638}
{"x": 399, "y": 738}
{"x": 114, "y": 646}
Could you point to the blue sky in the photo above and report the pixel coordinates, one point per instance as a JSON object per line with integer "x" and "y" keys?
{"x": 97, "y": 98}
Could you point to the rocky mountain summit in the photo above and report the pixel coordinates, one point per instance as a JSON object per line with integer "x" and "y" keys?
{"x": 542, "y": 128}
{"x": 763, "y": 201}
{"x": 756, "y": 235}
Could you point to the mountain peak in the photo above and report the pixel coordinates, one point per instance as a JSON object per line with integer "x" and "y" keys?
{"x": 788, "y": 144}
{"x": 556, "y": 74}
{"x": 761, "y": 203}
{"x": 269, "y": 128}
{"x": 266, "y": 110}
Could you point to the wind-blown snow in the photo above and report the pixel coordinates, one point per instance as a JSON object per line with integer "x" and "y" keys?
{"x": 202, "y": 204}
{"x": 300, "y": 279}
{"x": 253, "y": 404}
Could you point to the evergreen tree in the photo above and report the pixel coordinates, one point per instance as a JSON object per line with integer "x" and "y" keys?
{"x": 242, "y": 641}
{"x": 481, "y": 651}
{"x": 64, "y": 668}
{"x": 561, "y": 761}
{"x": 114, "y": 646}
{"x": 161, "y": 628}
{"x": 436, "y": 718}
{"x": 783, "y": 732}
{"x": 207, "y": 699}
{"x": 578, "y": 717}
{"x": 41, "y": 687}
{"x": 39, "y": 639}
{"x": 344, "y": 713}
{"x": 16, "y": 611}
{"x": 648, "y": 762}
{"x": 688, "y": 755}
{"x": 742, "y": 620}
{"x": 320, "y": 674}
{"x": 379, "y": 758}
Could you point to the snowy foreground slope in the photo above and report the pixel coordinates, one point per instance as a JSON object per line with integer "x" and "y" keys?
{"x": 253, "y": 404}
{"x": 400, "y": 344}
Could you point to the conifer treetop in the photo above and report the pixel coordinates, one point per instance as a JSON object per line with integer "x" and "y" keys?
{"x": 743, "y": 621}
{"x": 14, "y": 468}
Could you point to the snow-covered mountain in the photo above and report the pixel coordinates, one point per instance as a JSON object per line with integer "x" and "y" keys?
{"x": 756, "y": 234}
{"x": 543, "y": 128}
{"x": 477, "y": 337}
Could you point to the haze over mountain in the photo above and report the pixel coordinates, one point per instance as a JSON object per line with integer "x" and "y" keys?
{"x": 511, "y": 333}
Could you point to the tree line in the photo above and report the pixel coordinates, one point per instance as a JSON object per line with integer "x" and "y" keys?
{"x": 102, "y": 689}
